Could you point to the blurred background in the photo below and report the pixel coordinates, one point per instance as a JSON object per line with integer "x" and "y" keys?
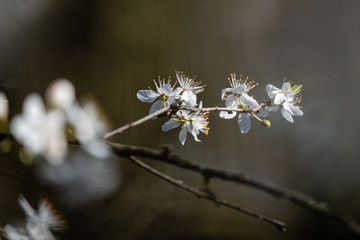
{"x": 112, "y": 49}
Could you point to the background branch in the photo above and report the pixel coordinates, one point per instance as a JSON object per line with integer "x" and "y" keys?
{"x": 280, "y": 225}
{"x": 300, "y": 199}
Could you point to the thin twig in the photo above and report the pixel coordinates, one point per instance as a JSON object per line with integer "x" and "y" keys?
{"x": 168, "y": 110}
{"x": 136, "y": 123}
{"x": 300, "y": 199}
{"x": 280, "y": 225}
{"x": 209, "y": 109}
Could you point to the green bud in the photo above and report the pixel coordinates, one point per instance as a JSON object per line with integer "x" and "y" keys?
{"x": 297, "y": 88}
{"x": 266, "y": 123}
{"x": 242, "y": 106}
{"x": 164, "y": 97}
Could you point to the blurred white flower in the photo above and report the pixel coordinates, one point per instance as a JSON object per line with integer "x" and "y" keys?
{"x": 285, "y": 99}
{"x": 38, "y": 223}
{"x": 188, "y": 89}
{"x": 193, "y": 123}
{"x": 90, "y": 126}
{"x": 82, "y": 178}
{"x": 61, "y": 94}
{"x": 40, "y": 132}
{"x": 4, "y": 107}
{"x": 163, "y": 97}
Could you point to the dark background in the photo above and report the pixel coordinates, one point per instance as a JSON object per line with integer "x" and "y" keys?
{"x": 112, "y": 49}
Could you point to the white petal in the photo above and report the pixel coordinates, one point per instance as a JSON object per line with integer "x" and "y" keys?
{"x": 166, "y": 88}
{"x": 227, "y": 115}
{"x": 287, "y": 115}
{"x": 182, "y": 135}
{"x": 169, "y": 125}
{"x": 285, "y": 86}
{"x": 244, "y": 122}
{"x": 34, "y": 105}
{"x": 249, "y": 101}
{"x": 159, "y": 104}
{"x": 296, "y": 110}
{"x": 229, "y": 101}
{"x": 286, "y": 105}
{"x": 189, "y": 99}
{"x": 272, "y": 90}
{"x": 279, "y": 98}
{"x": 225, "y": 91}
{"x": 147, "y": 95}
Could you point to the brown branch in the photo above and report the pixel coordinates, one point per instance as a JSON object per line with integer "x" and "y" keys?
{"x": 300, "y": 199}
{"x": 280, "y": 225}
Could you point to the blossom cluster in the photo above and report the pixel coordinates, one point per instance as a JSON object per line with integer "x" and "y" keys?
{"x": 42, "y": 128}
{"x": 185, "y": 95}
{"x": 237, "y": 101}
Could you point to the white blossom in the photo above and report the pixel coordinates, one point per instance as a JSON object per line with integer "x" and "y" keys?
{"x": 61, "y": 94}
{"x": 40, "y": 132}
{"x": 188, "y": 89}
{"x": 238, "y": 98}
{"x": 163, "y": 97}
{"x": 285, "y": 100}
{"x": 193, "y": 123}
{"x": 38, "y": 223}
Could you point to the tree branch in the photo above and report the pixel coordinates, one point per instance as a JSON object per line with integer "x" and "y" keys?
{"x": 280, "y": 225}
{"x": 300, "y": 199}
{"x": 136, "y": 123}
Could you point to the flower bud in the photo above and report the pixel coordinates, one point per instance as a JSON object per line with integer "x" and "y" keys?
{"x": 266, "y": 123}
{"x": 164, "y": 97}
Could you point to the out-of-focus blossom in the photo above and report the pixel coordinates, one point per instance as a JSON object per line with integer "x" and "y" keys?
{"x": 82, "y": 179}
{"x": 61, "y": 94}
{"x": 89, "y": 126}
{"x": 163, "y": 97}
{"x": 40, "y": 132}
{"x": 38, "y": 223}
{"x": 285, "y": 99}
{"x": 4, "y": 107}
{"x": 188, "y": 89}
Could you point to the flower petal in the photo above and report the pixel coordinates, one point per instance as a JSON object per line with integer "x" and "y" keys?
{"x": 159, "y": 104}
{"x": 279, "y": 98}
{"x": 147, "y": 95}
{"x": 169, "y": 125}
{"x": 287, "y": 115}
{"x": 225, "y": 91}
{"x": 244, "y": 122}
{"x": 227, "y": 115}
{"x": 272, "y": 90}
{"x": 249, "y": 101}
{"x": 182, "y": 135}
{"x": 296, "y": 110}
{"x": 166, "y": 88}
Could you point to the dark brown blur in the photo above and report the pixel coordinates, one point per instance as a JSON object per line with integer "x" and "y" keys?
{"x": 112, "y": 49}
